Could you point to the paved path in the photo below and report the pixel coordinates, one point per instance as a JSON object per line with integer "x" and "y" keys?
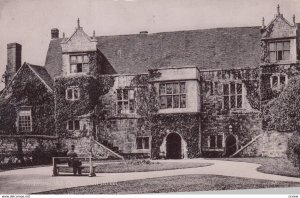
{"x": 32, "y": 180}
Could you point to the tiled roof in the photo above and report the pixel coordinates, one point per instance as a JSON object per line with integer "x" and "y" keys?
{"x": 53, "y": 62}
{"x": 218, "y": 48}
{"x": 39, "y": 71}
{"x": 42, "y": 74}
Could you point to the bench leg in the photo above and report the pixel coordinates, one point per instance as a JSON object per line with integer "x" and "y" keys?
{"x": 55, "y": 171}
{"x": 92, "y": 174}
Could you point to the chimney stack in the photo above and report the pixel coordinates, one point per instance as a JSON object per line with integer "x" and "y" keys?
{"x": 14, "y": 59}
{"x": 54, "y": 33}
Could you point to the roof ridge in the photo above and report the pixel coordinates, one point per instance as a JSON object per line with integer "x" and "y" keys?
{"x": 39, "y": 75}
{"x": 175, "y": 31}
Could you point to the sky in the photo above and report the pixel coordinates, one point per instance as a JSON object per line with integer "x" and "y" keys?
{"x": 29, "y": 22}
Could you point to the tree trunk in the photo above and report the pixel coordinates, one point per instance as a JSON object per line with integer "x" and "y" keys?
{"x": 20, "y": 154}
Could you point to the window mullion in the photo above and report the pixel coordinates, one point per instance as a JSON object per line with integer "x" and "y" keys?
{"x": 216, "y": 141}
{"x": 235, "y": 95}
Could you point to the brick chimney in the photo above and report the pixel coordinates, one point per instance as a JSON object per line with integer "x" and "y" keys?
{"x": 54, "y": 33}
{"x": 14, "y": 58}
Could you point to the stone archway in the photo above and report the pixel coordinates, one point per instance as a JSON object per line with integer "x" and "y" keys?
{"x": 173, "y": 146}
{"x": 230, "y": 145}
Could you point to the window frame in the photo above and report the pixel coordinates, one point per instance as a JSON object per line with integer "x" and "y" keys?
{"x": 74, "y": 128}
{"x": 181, "y": 95}
{"x": 130, "y": 101}
{"x": 233, "y": 95}
{"x": 278, "y": 76}
{"x": 144, "y": 147}
{"x": 277, "y": 52}
{"x": 84, "y": 63}
{"x": 216, "y": 138}
{"x": 24, "y": 110}
{"x": 73, "y": 93}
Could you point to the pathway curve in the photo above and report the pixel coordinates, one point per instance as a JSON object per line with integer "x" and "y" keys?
{"x": 32, "y": 180}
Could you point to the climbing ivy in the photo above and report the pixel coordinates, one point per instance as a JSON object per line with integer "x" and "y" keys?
{"x": 28, "y": 90}
{"x": 90, "y": 89}
{"x": 186, "y": 124}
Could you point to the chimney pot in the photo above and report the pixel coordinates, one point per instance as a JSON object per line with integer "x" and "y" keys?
{"x": 143, "y": 32}
{"x": 54, "y": 33}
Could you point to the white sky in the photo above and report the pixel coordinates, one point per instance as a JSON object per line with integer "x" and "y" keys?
{"x": 29, "y": 22}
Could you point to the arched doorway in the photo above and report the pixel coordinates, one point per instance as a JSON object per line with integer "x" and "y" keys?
{"x": 173, "y": 146}
{"x": 231, "y": 145}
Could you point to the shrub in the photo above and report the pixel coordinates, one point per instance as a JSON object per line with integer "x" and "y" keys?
{"x": 293, "y": 151}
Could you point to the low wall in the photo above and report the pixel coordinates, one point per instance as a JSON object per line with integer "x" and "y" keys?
{"x": 9, "y": 148}
{"x": 271, "y": 144}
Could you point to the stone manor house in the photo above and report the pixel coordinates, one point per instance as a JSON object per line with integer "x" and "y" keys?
{"x": 181, "y": 94}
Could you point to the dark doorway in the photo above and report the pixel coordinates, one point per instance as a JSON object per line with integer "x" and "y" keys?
{"x": 173, "y": 146}
{"x": 230, "y": 145}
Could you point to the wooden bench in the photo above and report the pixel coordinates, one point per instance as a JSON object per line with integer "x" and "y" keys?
{"x": 62, "y": 162}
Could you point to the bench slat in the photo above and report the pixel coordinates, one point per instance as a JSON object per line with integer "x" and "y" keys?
{"x": 57, "y": 166}
{"x": 66, "y": 165}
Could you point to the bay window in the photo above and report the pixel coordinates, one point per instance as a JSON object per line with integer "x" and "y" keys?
{"x": 172, "y": 95}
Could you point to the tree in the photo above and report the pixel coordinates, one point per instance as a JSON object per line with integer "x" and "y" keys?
{"x": 146, "y": 98}
{"x": 283, "y": 114}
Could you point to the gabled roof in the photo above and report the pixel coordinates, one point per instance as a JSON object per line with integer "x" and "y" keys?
{"x": 42, "y": 73}
{"x": 78, "y": 30}
{"x": 279, "y": 16}
{"x": 39, "y": 71}
{"x": 219, "y": 48}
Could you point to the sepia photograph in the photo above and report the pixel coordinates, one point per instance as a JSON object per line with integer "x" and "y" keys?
{"x": 127, "y": 97}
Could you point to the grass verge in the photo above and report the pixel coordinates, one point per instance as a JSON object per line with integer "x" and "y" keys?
{"x": 276, "y": 166}
{"x": 141, "y": 166}
{"x": 184, "y": 183}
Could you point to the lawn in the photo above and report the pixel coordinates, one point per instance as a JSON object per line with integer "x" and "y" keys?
{"x": 183, "y": 183}
{"x": 140, "y": 166}
{"x": 276, "y": 166}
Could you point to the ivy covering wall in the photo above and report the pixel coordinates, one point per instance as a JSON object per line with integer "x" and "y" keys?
{"x": 90, "y": 89}
{"x": 187, "y": 125}
{"x": 28, "y": 90}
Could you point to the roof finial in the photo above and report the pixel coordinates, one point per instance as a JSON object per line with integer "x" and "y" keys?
{"x": 294, "y": 19}
{"x": 78, "y": 23}
{"x": 63, "y": 35}
{"x": 263, "y": 22}
{"x": 94, "y": 34}
{"x": 278, "y": 9}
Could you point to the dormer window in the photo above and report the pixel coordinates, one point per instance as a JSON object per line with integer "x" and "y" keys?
{"x": 79, "y": 63}
{"x": 279, "y": 50}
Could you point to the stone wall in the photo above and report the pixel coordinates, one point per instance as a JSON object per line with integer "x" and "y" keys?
{"x": 82, "y": 145}
{"x": 85, "y": 146}
{"x": 186, "y": 125}
{"x": 9, "y": 149}
{"x": 8, "y": 145}
{"x": 244, "y": 123}
{"x": 271, "y": 144}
